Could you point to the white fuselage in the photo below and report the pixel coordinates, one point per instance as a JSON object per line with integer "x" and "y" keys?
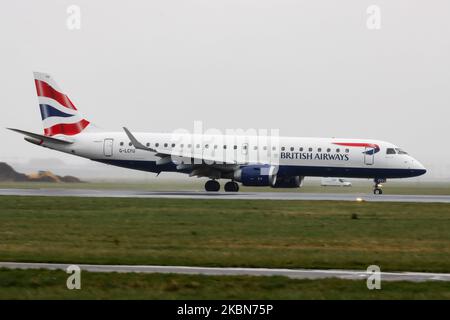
{"x": 326, "y": 157}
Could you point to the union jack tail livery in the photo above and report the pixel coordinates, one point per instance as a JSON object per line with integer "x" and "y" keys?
{"x": 59, "y": 114}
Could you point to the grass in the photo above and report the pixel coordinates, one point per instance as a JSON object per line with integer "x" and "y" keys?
{"x": 362, "y": 186}
{"x": 286, "y": 234}
{"x": 43, "y": 284}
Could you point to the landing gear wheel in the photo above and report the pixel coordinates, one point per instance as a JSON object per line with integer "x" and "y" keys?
{"x": 377, "y": 187}
{"x": 212, "y": 185}
{"x": 231, "y": 186}
{"x": 377, "y": 191}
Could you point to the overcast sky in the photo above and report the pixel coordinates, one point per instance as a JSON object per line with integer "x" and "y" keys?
{"x": 308, "y": 68}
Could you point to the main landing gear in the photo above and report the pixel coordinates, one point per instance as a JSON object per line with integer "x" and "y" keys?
{"x": 231, "y": 186}
{"x": 377, "y": 187}
{"x": 214, "y": 186}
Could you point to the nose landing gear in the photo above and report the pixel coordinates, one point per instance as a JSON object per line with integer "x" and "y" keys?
{"x": 377, "y": 187}
{"x": 377, "y": 190}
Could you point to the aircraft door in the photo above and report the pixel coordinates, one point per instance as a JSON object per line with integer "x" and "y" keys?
{"x": 243, "y": 156}
{"x": 245, "y": 149}
{"x": 108, "y": 147}
{"x": 369, "y": 155}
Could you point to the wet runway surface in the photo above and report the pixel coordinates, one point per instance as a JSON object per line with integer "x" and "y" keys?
{"x": 225, "y": 195}
{"x": 290, "y": 273}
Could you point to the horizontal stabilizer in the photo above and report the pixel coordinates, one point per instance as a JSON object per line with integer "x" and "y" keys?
{"x": 41, "y": 137}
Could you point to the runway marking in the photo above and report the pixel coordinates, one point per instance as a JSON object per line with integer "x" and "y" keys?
{"x": 290, "y": 273}
{"x": 225, "y": 195}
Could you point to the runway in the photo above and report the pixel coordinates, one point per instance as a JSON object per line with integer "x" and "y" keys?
{"x": 225, "y": 195}
{"x": 290, "y": 273}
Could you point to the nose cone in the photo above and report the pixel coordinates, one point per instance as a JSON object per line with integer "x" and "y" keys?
{"x": 418, "y": 168}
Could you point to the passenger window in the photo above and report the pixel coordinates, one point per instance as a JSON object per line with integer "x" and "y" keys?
{"x": 148, "y": 144}
{"x": 165, "y": 145}
{"x": 390, "y": 151}
{"x": 197, "y": 146}
{"x": 274, "y": 148}
{"x": 173, "y": 145}
{"x": 265, "y": 148}
{"x": 283, "y": 148}
{"x": 301, "y": 149}
{"x": 319, "y": 149}
{"x": 338, "y": 150}
{"x": 121, "y": 143}
{"x": 310, "y": 149}
{"x": 130, "y": 144}
{"x": 347, "y": 150}
{"x": 328, "y": 150}
{"x": 224, "y": 146}
{"x": 292, "y": 148}
{"x": 235, "y": 147}
{"x": 157, "y": 144}
{"x": 206, "y": 146}
{"x": 255, "y": 148}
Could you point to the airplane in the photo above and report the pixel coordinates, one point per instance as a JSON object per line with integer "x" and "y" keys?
{"x": 252, "y": 160}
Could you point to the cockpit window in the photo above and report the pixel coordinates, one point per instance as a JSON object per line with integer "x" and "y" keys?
{"x": 400, "y": 151}
{"x": 390, "y": 151}
{"x": 395, "y": 151}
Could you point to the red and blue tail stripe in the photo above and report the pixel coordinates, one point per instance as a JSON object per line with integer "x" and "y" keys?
{"x": 43, "y": 89}
{"x": 49, "y": 111}
{"x": 68, "y": 129}
{"x": 59, "y": 115}
{"x": 373, "y": 148}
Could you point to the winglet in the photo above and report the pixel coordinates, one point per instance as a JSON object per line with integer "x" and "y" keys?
{"x": 135, "y": 142}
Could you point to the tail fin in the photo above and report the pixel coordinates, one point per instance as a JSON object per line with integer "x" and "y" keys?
{"x": 59, "y": 114}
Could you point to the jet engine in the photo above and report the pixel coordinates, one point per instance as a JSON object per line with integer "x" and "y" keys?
{"x": 288, "y": 182}
{"x": 256, "y": 175}
{"x": 264, "y": 176}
